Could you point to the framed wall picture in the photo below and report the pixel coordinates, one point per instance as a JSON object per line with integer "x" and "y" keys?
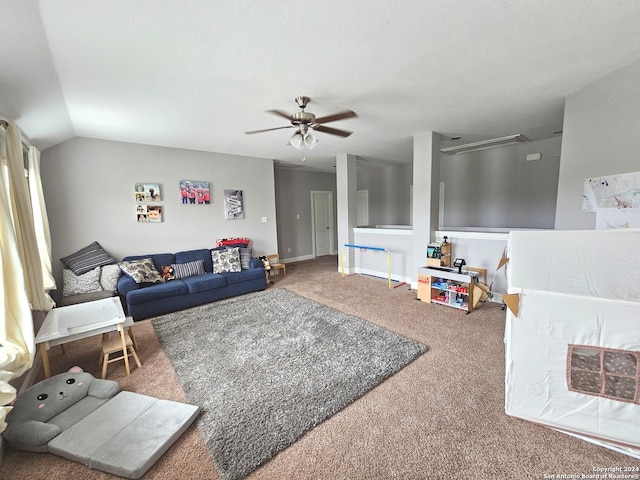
{"x": 233, "y": 205}
{"x": 195, "y": 192}
{"x": 148, "y": 213}
{"x": 147, "y": 192}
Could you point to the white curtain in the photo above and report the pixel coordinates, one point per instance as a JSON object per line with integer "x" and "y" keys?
{"x": 21, "y": 279}
{"x": 40, "y": 218}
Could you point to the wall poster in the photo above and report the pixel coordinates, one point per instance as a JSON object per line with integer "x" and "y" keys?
{"x": 147, "y": 192}
{"x": 195, "y": 192}
{"x": 614, "y": 198}
{"x": 233, "y": 205}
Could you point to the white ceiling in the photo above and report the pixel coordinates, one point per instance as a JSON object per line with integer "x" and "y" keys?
{"x": 196, "y": 74}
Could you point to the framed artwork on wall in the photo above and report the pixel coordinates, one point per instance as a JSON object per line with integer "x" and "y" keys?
{"x": 233, "y": 205}
{"x": 147, "y": 192}
{"x": 148, "y": 213}
{"x": 195, "y": 192}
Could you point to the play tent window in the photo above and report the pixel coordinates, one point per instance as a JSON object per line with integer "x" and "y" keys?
{"x": 604, "y": 372}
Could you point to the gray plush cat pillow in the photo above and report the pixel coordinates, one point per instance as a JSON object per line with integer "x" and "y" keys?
{"x": 53, "y": 405}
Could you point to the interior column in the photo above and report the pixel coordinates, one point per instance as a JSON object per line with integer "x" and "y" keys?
{"x": 426, "y": 188}
{"x": 347, "y": 201}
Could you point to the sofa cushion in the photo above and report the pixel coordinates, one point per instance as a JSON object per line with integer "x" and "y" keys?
{"x": 243, "y": 276}
{"x": 88, "y": 258}
{"x": 201, "y": 283}
{"x": 189, "y": 269}
{"x": 227, "y": 260}
{"x": 193, "y": 255}
{"x": 157, "y": 291}
{"x": 73, "y": 284}
{"x": 142, "y": 271}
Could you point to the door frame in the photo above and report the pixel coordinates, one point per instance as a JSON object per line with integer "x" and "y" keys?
{"x": 313, "y": 221}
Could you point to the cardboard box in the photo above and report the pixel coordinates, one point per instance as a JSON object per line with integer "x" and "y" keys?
{"x": 424, "y": 288}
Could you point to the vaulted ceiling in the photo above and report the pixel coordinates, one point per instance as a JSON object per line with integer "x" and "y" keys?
{"x": 197, "y": 74}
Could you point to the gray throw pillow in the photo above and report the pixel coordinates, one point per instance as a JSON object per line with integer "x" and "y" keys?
{"x": 87, "y": 259}
{"x": 73, "y": 284}
{"x": 245, "y": 258}
{"x": 109, "y": 276}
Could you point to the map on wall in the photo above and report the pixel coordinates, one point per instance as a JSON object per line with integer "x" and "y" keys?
{"x": 615, "y": 199}
{"x": 613, "y": 191}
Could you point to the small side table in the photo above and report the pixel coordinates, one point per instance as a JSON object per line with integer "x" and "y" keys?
{"x": 74, "y": 322}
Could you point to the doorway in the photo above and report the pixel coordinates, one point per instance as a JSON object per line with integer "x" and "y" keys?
{"x": 322, "y": 222}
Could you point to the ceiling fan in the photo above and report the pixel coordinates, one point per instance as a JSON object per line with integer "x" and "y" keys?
{"x": 304, "y": 121}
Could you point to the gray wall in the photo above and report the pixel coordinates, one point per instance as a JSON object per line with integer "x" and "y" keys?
{"x": 389, "y": 196}
{"x": 499, "y": 188}
{"x": 601, "y": 124}
{"x": 293, "y": 197}
{"x": 388, "y": 188}
{"x": 89, "y": 190}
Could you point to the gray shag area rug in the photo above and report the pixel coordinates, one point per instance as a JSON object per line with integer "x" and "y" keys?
{"x": 269, "y": 366}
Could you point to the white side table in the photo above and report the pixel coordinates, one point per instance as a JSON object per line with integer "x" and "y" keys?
{"x": 74, "y": 322}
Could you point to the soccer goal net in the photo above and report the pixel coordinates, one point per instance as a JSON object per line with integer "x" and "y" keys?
{"x": 365, "y": 260}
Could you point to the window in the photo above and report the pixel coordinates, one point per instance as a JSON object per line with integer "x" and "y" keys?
{"x": 604, "y": 372}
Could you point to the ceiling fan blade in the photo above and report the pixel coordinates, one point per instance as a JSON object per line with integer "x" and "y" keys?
{"x": 336, "y": 116}
{"x": 332, "y": 131}
{"x": 280, "y": 113}
{"x": 267, "y": 129}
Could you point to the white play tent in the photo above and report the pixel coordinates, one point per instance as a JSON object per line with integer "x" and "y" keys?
{"x": 573, "y": 340}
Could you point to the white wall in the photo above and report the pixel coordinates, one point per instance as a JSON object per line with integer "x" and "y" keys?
{"x": 89, "y": 190}
{"x": 601, "y": 124}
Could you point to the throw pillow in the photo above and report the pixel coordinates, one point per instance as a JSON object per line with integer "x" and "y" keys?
{"x": 189, "y": 269}
{"x": 233, "y": 242}
{"x": 109, "y": 276}
{"x": 87, "y": 259}
{"x": 73, "y": 284}
{"x": 245, "y": 258}
{"x": 142, "y": 271}
{"x": 226, "y": 260}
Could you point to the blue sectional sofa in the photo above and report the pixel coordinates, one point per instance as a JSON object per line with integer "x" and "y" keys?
{"x": 143, "y": 300}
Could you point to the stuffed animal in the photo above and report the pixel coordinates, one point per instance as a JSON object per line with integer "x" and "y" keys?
{"x": 167, "y": 273}
{"x": 46, "y": 409}
{"x": 266, "y": 266}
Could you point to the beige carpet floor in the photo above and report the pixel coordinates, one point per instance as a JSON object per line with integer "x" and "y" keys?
{"x": 442, "y": 417}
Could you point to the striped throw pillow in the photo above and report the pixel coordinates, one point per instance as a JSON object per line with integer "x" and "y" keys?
{"x": 189, "y": 269}
{"x": 245, "y": 258}
{"x": 88, "y": 258}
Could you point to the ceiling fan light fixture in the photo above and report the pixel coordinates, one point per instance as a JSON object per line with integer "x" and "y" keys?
{"x": 297, "y": 141}
{"x": 304, "y": 140}
{"x": 310, "y": 140}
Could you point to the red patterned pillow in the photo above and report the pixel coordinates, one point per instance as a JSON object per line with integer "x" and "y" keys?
{"x": 233, "y": 242}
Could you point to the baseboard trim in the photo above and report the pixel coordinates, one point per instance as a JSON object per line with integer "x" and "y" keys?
{"x": 297, "y": 259}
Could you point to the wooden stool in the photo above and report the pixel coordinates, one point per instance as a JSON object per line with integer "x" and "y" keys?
{"x": 114, "y": 345}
